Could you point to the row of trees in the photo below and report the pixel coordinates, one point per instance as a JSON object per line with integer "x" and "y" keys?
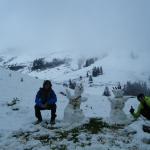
{"x": 130, "y": 88}
{"x": 16, "y": 67}
{"x": 41, "y": 64}
{"x": 86, "y": 63}
{"x": 97, "y": 71}
{"x": 135, "y": 88}
{"x": 89, "y": 62}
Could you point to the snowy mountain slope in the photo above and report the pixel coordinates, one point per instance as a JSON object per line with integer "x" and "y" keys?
{"x": 17, "y": 131}
{"x": 120, "y": 66}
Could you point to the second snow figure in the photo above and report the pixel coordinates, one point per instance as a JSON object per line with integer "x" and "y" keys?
{"x": 117, "y": 114}
{"x": 73, "y": 112}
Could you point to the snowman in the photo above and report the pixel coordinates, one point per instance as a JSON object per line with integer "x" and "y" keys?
{"x": 117, "y": 115}
{"x": 73, "y": 113}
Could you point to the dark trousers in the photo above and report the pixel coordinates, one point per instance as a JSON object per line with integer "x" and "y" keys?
{"x": 146, "y": 111}
{"x": 51, "y": 107}
{"x": 146, "y": 114}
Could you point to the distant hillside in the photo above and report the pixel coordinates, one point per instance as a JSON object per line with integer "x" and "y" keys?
{"x": 63, "y": 65}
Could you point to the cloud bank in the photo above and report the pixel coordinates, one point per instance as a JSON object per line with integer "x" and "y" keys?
{"x": 85, "y": 26}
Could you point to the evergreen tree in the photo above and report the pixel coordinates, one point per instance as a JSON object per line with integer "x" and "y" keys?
{"x": 81, "y": 78}
{"x": 21, "y": 79}
{"x": 90, "y": 79}
{"x": 90, "y": 61}
{"x": 106, "y": 91}
{"x": 38, "y": 64}
{"x": 94, "y": 72}
{"x": 70, "y": 83}
{"x": 101, "y": 71}
{"x": 87, "y": 74}
{"x": 119, "y": 85}
{"x": 98, "y": 71}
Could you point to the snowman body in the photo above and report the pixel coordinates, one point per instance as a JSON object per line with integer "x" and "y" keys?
{"x": 73, "y": 113}
{"x": 117, "y": 114}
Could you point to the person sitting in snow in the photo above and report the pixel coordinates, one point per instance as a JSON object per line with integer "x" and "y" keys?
{"x": 45, "y": 100}
{"x": 143, "y": 108}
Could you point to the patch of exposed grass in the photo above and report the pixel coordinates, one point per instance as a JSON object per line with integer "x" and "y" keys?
{"x": 60, "y": 147}
{"x": 93, "y": 126}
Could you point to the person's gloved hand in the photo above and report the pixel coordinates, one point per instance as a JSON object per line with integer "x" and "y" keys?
{"x": 131, "y": 110}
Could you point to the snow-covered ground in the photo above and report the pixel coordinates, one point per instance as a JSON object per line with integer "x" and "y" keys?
{"x": 18, "y": 132}
{"x": 16, "y": 126}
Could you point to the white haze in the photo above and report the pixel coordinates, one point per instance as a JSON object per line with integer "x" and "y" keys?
{"x": 85, "y": 26}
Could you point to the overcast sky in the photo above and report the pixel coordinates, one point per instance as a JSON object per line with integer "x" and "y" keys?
{"x": 91, "y": 25}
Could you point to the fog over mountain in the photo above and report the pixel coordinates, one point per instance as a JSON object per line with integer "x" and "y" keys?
{"x": 85, "y": 26}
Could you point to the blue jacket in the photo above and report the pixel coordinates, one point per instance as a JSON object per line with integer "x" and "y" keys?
{"x": 52, "y": 99}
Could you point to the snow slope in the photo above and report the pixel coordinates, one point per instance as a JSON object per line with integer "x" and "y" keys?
{"x": 17, "y": 131}
{"x": 118, "y": 66}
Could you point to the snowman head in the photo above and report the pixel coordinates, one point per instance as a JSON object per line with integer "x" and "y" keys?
{"x": 78, "y": 89}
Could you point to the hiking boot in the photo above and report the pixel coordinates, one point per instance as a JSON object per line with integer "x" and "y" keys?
{"x": 38, "y": 122}
{"x": 52, "y": 121}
